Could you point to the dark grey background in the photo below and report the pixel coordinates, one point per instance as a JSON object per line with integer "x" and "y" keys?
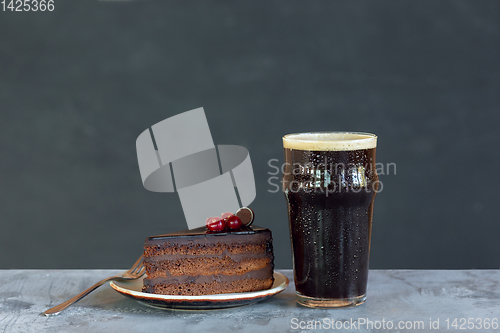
{"x": 78, "y": 85}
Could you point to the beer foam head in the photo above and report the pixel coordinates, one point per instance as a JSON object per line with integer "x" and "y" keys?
{"x": 333, "y": 141}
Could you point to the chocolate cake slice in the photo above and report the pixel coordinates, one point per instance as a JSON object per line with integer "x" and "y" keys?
{"x": 200, "y": 262}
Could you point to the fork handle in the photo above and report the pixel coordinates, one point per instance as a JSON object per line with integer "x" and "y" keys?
{"x": 58, "y": 308}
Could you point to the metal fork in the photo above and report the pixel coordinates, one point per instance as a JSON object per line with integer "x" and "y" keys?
{"x": 133, "y": 273}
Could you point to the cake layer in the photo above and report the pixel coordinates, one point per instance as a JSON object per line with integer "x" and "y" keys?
{"x": 206, "y": 266}
{"x": 239, "y": 256}
{"x": 210, "y": 288}
{"x": 195, "y": 247}
{"x": 260, "y": 274}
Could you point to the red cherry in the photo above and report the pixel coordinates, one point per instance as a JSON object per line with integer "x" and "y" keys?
{"x": 233, "y": 222}
{"x": 215, "y": 224}
{"x": 226, "y": 215}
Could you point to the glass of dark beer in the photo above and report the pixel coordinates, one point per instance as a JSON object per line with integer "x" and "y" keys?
{"x": 330, "y": 182}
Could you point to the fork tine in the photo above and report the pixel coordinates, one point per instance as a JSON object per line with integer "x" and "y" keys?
{"x": 137, "y": 264}
{"x": 138, "y": 269}
{"x": 141, "y": 270}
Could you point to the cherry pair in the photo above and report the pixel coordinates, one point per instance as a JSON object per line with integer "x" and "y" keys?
{"x": 228, "y": 220}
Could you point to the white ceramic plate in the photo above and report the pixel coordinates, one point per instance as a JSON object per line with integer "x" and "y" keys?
{"x": 134, "y": 289}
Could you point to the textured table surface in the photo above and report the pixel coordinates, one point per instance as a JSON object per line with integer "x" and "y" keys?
{"x": 405, "y": 298}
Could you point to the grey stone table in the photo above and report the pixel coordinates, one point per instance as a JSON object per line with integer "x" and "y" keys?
{"x": 398, "y": 301}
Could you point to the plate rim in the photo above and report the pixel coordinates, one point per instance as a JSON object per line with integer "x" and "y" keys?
{"x": 139, "y": 295}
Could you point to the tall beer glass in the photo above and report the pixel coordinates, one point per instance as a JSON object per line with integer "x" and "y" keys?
{"x": 330, "y": 182}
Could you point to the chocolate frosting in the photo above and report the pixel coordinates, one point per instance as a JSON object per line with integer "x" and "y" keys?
{"x": 186, "y": 236}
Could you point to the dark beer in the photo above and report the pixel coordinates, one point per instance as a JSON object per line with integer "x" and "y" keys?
{"x": 330, "y": 188}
